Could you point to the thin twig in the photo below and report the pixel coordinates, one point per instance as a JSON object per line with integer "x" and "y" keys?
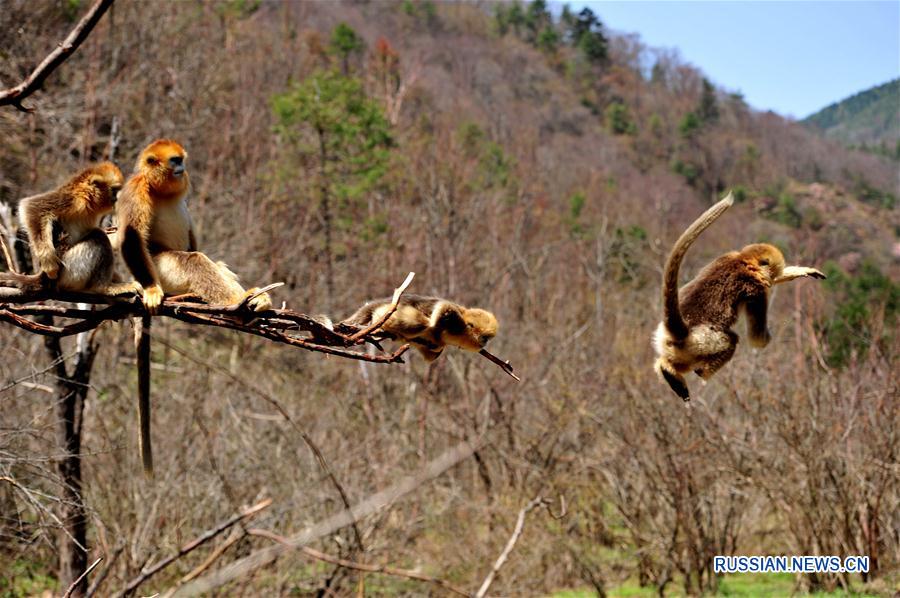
{"x": 75, "y": 583}
{"x": 40, "y": 508}
{"x": 510, "y": 544}
{"x": 370, "y": 505}
{"x": 386, "y": 569}
{"x": 33, "y": 82}
{"x": 192, "y": 545}
{"x": 98, "y": 581}
{"x": 235, "y": 536}
{"x": 7, "y": 255}
{"x": 395, "y": 301}
{"x": 504, "y": 364}
{"x": 304, "y": 435}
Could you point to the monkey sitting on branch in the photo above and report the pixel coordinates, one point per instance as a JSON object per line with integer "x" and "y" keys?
{"x": 156, "y": 237}
{"x": 430, "y": 324}
{"x": 70, "y": 250}
{"x": 695, "y": 334}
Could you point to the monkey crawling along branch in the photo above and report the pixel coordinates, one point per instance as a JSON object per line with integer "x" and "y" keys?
{"x": 430, "y": 324}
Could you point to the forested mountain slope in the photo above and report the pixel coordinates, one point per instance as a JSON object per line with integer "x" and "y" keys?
{"x": 870, "y": 117}
{"x": 532, "y": 165}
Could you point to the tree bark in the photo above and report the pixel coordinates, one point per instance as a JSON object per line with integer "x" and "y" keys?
{"x": 71, "y": 391}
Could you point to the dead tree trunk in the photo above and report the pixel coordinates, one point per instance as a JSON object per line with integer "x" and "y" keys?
{"x": 71, "y": 391}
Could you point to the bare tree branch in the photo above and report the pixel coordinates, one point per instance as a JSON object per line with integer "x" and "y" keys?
{"x": 395, "y": 300}
{"x": 310, "y": 443}
{"x": 235, "y": 536}
{"x": 517, "y": 531}
{"x": 278, "y": 325}
{"x": 373, "y": 504}
{"x": 80, "y": 577}
{"x": 6, "y": 254}
{"x": 502, "y": 363}
{"x": 386, "y": 569}
{"x": 98, "y": 581}
{"x": 192, "y": 545}
{"x": 33, "y": 82}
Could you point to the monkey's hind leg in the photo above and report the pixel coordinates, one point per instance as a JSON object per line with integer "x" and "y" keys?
{"x": 428, "y": 353}
{"x": 713, "y": 363}
{"x": 118, "y": 288}
{"x": 193, "y": 272}
{"x": 675, "y": 380}
{"x": 88, "y": 264}
{"x": 261, "y": 302}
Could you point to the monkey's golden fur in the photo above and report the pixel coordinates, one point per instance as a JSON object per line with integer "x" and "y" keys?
{"x": 695, "y": 334}
{"x": 69, "y": 249}
{"x": 430, "y": 323}
{"x": 156, "y": 237}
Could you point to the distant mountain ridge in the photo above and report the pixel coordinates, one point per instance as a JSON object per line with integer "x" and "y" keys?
{"x": 870, "y": 117}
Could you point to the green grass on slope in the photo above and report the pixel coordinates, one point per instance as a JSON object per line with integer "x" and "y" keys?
{"x": 749, "y": 585}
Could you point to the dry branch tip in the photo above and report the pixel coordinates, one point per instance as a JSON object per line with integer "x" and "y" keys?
{"x": 503, "y": 364}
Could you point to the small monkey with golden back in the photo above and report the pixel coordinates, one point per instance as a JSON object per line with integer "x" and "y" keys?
{"x": 695, "y": 334}
{"x": 429, "y": 323}
{"x": 156, "y": 237}
{"x": 68, "y": 247}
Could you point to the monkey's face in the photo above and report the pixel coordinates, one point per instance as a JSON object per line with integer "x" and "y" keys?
{"x": 766, "y": 259}
{"x": 481, "y": 327}
{"x": 162, "y": 163}
{"x": 108, "y": 180}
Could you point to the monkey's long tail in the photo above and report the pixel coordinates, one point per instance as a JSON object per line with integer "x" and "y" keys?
{"x": 671, "y": 312}
{"x": 142, "y": 346}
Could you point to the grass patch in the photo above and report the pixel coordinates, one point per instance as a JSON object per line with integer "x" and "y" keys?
{"x": 755, "y": 585}
{"x": 25, "y": 578}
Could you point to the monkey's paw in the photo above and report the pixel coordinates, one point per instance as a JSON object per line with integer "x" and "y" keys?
{"x": 121, "y": 288}
{"x": 50, "y": 267}
{"x": 153, "y": 296}
{"x": 261, "y": 302}
{"x": 816, "y": 274}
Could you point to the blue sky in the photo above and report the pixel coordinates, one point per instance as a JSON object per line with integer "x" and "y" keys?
{"x": 790, "y": 57}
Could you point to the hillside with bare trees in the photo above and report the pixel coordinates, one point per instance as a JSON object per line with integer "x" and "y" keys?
{"x": 532, "y": 164}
